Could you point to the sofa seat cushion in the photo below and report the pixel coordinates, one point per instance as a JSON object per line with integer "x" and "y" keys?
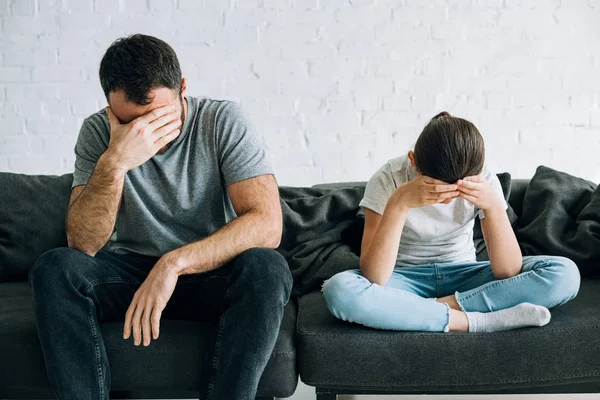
{"x": 174, "y": 362}
{"x": 337, "y": 354}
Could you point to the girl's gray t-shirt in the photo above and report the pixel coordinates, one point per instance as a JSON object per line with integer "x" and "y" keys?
{"x": 439, "y": 233}
{"x": 180, "y": 196}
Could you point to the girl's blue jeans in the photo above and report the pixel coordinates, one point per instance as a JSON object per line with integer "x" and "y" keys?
{"x": 406, "y": 303}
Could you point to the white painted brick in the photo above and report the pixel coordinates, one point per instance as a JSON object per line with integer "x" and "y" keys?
{"x": 14, "y": 145}
{"x": 22, "y": 7}
{"x": 22, "y": 57}
{"x": 109, "y": 6}
{"x": 4, "y": 8}
{"x": 334, "y": 87}
{"x": 306, "y": 176}
{"x": 15, "y": 74}
{"x": 12, "y": 126}
{"x": 399, "y": 102}
{"x": 3, "y": 163}
{"x": 316, "y": 87}
{"x": 32, "y": 25}
{"x": 136, "y": 7}
{"x": 56, "y": 74}
{"x": 161, "y": 6}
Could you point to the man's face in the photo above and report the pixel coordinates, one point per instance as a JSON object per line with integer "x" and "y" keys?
{"x": 127, "y": 111}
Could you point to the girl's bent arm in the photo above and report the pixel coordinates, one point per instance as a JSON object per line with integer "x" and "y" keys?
{"x": 380, "y": 242}
{"x": 503, "y": 249}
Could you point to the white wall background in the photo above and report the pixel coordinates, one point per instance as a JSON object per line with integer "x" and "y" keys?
{"x": 336, "y": 87}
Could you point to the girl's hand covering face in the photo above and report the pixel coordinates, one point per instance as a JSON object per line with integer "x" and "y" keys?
{"x": 478, "y": 191}
{"x": 424, "y": 191}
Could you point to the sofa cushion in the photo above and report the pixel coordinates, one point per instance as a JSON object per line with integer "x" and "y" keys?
{"x": 172, "y": 363}
{"x": 32, "y": 219}
{"x": 337, "y": 354}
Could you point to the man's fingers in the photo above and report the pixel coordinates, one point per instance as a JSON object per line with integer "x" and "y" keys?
{"x": 112, "y": 118}
{"x": 146, "y": 323}
{"x": 137, "y": 320}
{"x": 166, "y": 139}
{"x": 128, "y": 318}
{"x": 156, "y": 313}
{"x": 155, "y": 114}
{"x": 168, "y": 128}
{"x": 164, "y": 120}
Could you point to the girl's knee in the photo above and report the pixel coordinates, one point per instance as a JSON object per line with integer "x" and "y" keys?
{"x": 341, "y": 292}
{"x": 566, "y": 278}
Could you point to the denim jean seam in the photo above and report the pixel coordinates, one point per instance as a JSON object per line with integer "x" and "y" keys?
{"x": 496, "y": 283}
{"x": 96, "y": 348}
{"x": 215, "y": 360}
{"x": 97, "y": 282}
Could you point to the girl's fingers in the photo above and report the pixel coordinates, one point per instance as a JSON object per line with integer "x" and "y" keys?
{"x": 467, "y": 184}
{"x": 468, "y": 197}
{"x": 468, "y": 191}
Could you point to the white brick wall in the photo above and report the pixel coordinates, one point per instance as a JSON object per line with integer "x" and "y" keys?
{"x": 336, "y": 87}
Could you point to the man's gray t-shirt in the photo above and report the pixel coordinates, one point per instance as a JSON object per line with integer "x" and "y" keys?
{"x": 438, "y": 233}
{"x": 181, "y": 196}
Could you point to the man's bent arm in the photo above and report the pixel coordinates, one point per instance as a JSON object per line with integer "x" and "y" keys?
{"x": 91, "y": 216}
{"x": 259, "y": 224}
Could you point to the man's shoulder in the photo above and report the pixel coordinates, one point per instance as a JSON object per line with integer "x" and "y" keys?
{"x": 98, "y": 122}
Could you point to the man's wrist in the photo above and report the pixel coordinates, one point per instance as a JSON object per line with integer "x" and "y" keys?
{"x": 110, "y": 165}
{"x": 174, "y": 262}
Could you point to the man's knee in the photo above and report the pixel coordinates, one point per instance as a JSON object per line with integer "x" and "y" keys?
{"x": 55, "y": 267}
{"x": 264, "y": 268}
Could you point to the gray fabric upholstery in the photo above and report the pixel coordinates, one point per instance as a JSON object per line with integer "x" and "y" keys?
{"x": 336, "y": 354}
{"x": 172, "y": 363}
{"x": 32, "y": 216}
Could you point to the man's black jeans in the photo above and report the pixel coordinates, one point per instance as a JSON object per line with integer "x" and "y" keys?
{"x": 72, "y": 292}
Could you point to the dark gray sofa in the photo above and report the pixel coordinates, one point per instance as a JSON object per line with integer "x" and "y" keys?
{"x": 562, "y": 357}
{"x": 169, "y": 368}
{"x": 333, "y": 356}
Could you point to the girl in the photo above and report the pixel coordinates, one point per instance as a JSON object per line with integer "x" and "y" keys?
{"x": 418, "y": 270}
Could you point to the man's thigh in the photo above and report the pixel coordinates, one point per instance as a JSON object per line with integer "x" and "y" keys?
{"x": 114, "y": 282}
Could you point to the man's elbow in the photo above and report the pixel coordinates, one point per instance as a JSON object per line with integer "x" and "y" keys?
{"x": 273, "y": 239}
{"x": 75, "y": 245}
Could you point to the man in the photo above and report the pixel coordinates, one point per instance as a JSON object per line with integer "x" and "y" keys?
{"x": 174, "y": 210}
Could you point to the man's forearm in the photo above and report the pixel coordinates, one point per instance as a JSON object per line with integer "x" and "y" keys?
{"x": 249, "y": 230}
{"x": 91, "y": 218}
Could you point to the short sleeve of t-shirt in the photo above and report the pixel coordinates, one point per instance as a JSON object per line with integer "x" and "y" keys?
{"x": 92, "y": 142}
{"x": 495, "y": 182}
{"x": 240, "y": 151}
{"x": 379, "y": 189}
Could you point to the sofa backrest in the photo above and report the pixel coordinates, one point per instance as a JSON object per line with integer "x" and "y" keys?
{"x": 32, "y": 219}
